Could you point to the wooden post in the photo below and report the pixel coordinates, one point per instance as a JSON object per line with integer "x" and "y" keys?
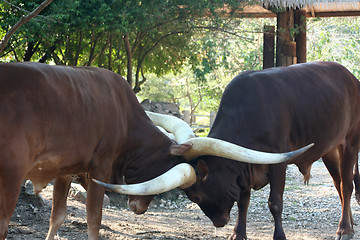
{"x": 289, "y": 53}
{"x": 285, "y": 46}
{"x": 300, "y": 37}
{"x": 186, "y": 116}
{"x": 269, "y": 46}
{"x": 212, "y": 118}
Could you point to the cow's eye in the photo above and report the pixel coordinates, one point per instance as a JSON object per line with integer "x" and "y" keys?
{"x": 197, "y": 199}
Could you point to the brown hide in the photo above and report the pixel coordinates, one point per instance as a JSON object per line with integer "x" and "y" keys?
{"x": 56, "y": 121}
{"x": 277, "y": 110}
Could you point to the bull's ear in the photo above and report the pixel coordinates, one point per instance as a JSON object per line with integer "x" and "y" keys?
{"x": 180, "y": 149}
{"x": 202, "y": 170}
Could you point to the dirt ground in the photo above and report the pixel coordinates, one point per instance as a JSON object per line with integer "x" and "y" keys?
{"x": 310, "y": 212}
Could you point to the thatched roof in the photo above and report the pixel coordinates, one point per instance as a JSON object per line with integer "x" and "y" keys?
{"x": 332, "y": 4}
{"x": 334, "y": 9}
{"x": 313, "y": 8}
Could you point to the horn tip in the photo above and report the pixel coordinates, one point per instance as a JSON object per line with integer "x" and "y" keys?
{"x": 302, "y": 150}
{"x": 96, "y": 181}
{"x": 105, "y": 185}
{"x": 309, "y": 146}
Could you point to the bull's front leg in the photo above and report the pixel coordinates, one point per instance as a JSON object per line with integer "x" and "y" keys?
{"x": 277, "y": 183}
{"x": 240, "y": 227}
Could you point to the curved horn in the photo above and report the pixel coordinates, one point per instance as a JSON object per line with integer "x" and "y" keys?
{"x": 176, "y": 126}
{"x": 216, "y": 147}
{"x": 168, "y": 134}
{"x": 182, "y": 175}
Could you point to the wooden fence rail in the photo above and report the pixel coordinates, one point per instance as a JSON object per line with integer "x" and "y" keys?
{"x": 193, "y": 123}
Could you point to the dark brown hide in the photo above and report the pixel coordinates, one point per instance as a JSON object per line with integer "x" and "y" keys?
{"x": 57, "y": 121}
{"x": 278, "y": 110}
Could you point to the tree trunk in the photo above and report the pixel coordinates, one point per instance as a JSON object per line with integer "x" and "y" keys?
{"x": 129, "y": 59}
{"x": 48, "y": 54}
{"x": 119, "y": 48}
{"x": 78, "y": 49}
{"x": 136, "y": 88}
{"x": 94, "y": 40}
{"x": 50, "y": 51}
{"x": 101, "y": 54}
{"x": 110, "y": 53}
{"x": 57, "y": 59}
{"x": 68, "y": 56}
{"x": 30, "y": 50}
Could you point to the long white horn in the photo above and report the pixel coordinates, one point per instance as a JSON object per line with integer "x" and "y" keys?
{"x": 182, "y": 175}
{"x": 211, "y": 146}
{"x": 168, "y": 134}
{"x": 176, "y": 126}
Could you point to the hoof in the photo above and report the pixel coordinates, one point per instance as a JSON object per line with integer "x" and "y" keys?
{"x": 344, "y": 237}
{"x": 234, "y": 236}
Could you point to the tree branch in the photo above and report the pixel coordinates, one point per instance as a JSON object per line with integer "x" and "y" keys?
{"x": 159, "y": 40}
{"x": 22, "y": 21}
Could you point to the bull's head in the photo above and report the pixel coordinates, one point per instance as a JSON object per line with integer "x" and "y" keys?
{"x": 184, "y": 175}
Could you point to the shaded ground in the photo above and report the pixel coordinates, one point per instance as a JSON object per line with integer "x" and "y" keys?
{"x": 310, "y": 212}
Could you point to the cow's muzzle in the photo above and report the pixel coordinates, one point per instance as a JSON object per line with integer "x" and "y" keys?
{"x": 139, "y": 204}
{"x": 221, "y": 221}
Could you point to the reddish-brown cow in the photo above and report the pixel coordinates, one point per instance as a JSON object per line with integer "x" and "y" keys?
{"x": 277, "y": 110}
{"x": 57, "y": 121}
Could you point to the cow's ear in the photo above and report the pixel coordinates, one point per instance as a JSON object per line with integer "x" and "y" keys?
{"x": 180, "y": 149}
{"x": 202, "y": 170}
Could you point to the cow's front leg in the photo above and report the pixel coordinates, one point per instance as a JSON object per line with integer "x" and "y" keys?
{"x": 94, "y": 201}
{"x": 277, "y": 184}
{"x": 240, "y": 227}
{"x": 9, "y": 194}
{"x": 58, "y": 211}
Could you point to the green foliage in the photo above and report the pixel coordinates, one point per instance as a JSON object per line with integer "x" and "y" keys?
{"x": 130, "y": 37}
{"x": 335, "y": 39}
{"x": 218, "y": 55}
{"x": 178, "y": 51}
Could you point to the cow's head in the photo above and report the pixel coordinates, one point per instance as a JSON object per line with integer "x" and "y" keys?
{"x": 184, "y": 175}
{"x": 215, "y": 189}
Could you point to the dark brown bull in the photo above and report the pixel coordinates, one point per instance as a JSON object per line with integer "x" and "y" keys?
{"x": 57, "y": 121}
{"x": 277, "y": 110}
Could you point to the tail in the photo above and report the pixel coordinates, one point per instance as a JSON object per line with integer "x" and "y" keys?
{"x": 357, "y": 182}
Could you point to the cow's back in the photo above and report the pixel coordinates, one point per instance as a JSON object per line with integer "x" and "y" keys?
{"x": 285, "y": 108}
{"x": 62, "y": 116}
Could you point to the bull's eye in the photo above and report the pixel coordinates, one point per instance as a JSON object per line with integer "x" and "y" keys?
{"x": 197, "y": 199}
